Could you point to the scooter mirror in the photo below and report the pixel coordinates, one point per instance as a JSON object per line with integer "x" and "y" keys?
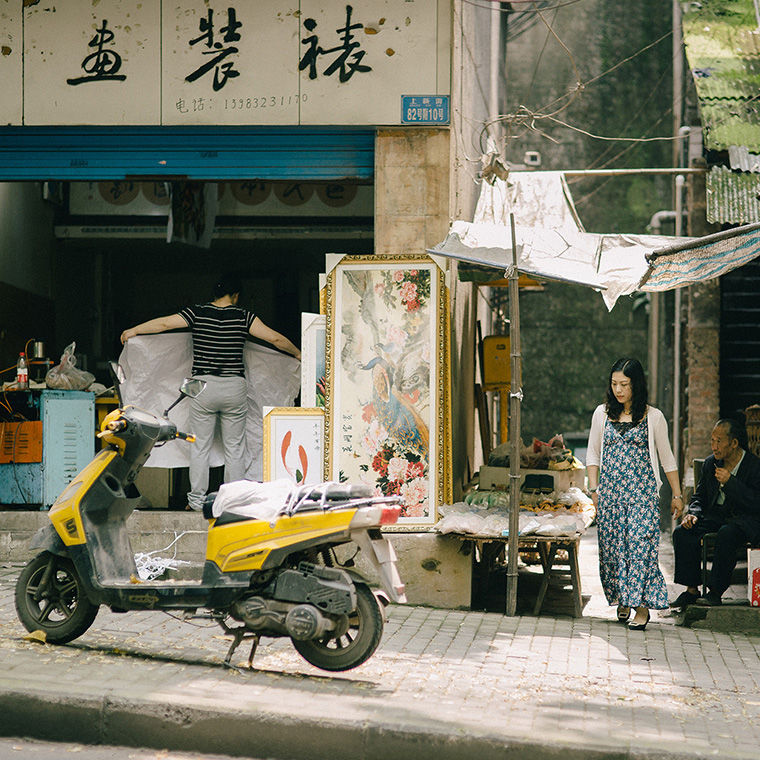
{"x": 189, "y": 388}
{"x": 118, "y": 376}
{"x": 192, "y": 388}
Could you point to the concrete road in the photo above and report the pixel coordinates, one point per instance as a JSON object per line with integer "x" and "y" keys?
{"x": 27, "y": 749}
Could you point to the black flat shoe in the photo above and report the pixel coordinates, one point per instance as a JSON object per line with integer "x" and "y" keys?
{"x": 638, "y": 626}
{"x": 710, "y": 599}
{"x": 684, "y": 599}
{"x": 623, "y": 613}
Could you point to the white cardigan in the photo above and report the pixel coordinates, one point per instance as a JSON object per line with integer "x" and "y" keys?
{"x": 658, "y": 441}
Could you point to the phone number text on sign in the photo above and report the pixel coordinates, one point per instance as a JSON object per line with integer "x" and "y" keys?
{"x": 239, "y": 104}
{"x": 273, "y": 101}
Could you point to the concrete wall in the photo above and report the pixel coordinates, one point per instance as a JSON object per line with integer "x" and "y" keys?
{"x": 411, "y": 189}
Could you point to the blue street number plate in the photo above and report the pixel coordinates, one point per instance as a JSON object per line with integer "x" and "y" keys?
{"x": 424, "y": 109}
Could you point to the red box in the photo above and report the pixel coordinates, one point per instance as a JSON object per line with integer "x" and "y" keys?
{"x": 753, "y": 573}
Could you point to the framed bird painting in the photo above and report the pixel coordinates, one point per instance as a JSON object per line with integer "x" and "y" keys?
{"x": 387, "y": 370}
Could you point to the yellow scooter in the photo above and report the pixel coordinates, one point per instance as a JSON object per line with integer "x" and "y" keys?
{"x": 273, "y": 577}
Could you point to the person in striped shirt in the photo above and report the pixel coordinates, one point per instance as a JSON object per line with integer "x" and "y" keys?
{"x": 220, "y": 329}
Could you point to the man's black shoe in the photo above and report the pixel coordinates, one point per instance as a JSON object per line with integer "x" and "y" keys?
{"x": 710, "y": 599}
{"x": 684, "y": 599}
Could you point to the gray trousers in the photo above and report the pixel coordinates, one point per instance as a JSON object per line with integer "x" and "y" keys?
{"x": 224, "y": 401}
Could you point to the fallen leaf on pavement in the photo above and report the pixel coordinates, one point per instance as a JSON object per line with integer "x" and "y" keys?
{"x": 39, "y": 636}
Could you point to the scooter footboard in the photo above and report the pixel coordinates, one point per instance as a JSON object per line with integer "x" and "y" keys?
{"x": 380, "y": 552}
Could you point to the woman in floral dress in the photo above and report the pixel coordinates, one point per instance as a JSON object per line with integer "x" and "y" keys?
{"x": 627, "y": 443}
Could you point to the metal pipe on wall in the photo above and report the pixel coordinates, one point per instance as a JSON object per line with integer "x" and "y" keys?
{"x": 493, "y": 93}
{"x": 680, "y": 181}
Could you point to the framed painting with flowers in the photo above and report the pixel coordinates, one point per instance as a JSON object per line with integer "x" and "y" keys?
{"x": 294, "y": 444}
{"x": 387, "y": 379}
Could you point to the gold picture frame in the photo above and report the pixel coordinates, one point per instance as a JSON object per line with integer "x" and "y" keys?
{"x": 294, "y": 444}
{"x": 387, "y": 399}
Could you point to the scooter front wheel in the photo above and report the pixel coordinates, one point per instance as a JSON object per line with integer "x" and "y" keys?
{"x": 50, "y": 598}
{"x": 356, "y": 645}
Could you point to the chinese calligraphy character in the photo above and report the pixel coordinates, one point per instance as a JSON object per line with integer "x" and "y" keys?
{"x": 222, "y": 70}
{"x": 346, "y": 68}
{"x": 103, "y": 64}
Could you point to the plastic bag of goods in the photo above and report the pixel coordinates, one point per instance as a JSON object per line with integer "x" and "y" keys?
{"x": 65, "y": 376}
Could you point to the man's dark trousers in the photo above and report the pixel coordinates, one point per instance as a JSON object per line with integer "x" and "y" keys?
{"x": 688, "y": 553}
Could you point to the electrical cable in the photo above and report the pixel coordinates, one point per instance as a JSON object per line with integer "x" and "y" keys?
{"x": 582, "y": 85}
{"x": 541, "y": 55}
{"x": 544, "y": 6}
{"x": 13, "y": 465}
{"x": 605, "y": 164}
{"x": 668, "y": 138}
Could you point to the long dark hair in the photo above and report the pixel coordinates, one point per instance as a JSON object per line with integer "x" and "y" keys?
{"x": 633, "y": 370}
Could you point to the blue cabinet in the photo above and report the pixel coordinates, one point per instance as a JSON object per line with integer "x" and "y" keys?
{"x": 68, "y": 444}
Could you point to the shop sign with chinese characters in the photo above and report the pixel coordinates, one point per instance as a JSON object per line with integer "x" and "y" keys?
{"x": 207, "y": 62}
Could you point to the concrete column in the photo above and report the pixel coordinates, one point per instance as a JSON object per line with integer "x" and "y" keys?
{"x": 411, "y": 189}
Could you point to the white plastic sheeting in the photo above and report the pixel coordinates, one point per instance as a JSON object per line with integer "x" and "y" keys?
{"x": 551, "y": 242}
{"x": 261, "y": 501}
{"x": 156, "y": 365}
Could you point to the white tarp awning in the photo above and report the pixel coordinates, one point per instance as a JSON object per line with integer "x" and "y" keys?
{"x": 552, "y": 244}
{"x": 551, "y": 241}
{"x": 612, "y": 264}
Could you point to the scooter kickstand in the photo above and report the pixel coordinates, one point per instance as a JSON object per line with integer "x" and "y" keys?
{"x": 238, "y": 635}
{"x": 255, "y": 643}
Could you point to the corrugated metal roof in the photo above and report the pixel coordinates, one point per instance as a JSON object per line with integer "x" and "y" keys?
{"x": 741, "y": 159}
{"x": 723, "y": 50}
{"x": 732, "y": 197}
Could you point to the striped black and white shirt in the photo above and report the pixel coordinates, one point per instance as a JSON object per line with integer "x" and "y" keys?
{"x": 219, "y": 334}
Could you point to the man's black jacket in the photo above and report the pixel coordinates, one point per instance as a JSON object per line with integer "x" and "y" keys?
{"x": 742, "y": 491}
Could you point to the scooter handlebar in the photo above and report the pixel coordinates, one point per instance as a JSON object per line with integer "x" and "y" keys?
{"x": 189, "y": 437}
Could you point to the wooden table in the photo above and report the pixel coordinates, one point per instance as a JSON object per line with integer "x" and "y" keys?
{"x": 491, "y": 547}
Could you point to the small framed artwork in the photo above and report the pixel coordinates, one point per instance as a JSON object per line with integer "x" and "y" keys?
{"x": 294, "y": 444}
{"x": 313, "y": 360}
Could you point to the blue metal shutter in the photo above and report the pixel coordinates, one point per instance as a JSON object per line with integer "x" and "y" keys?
{"x": 113, "y": 153}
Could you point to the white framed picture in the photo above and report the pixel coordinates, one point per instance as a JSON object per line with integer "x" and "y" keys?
{"x": 294, "y": 444}
{"x": 313, "y": 360}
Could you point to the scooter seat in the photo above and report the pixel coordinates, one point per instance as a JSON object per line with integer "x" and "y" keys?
{"x": 208, "y": 503}
{"x": 226, "y": 518}
{"x": 342, "y": 492}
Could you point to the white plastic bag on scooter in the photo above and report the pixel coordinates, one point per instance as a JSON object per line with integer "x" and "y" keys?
{"x": 261, "y": 501}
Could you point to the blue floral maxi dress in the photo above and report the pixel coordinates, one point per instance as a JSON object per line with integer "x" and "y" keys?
{"x": 628, "y": 519}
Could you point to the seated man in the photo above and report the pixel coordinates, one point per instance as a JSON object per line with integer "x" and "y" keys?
{"x": 727, "y": 502}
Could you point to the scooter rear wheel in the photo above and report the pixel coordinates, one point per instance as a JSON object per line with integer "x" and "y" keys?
{"x": 365, "y": 629}
{"x": 60, "y": 609}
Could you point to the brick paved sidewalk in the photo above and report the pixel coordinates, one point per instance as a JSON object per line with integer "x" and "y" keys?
{"x": 442, "y": 684}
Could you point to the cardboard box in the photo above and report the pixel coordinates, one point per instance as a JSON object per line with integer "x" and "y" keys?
{"x": 753, "y": 576}
{"x": 497, "y": 478}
